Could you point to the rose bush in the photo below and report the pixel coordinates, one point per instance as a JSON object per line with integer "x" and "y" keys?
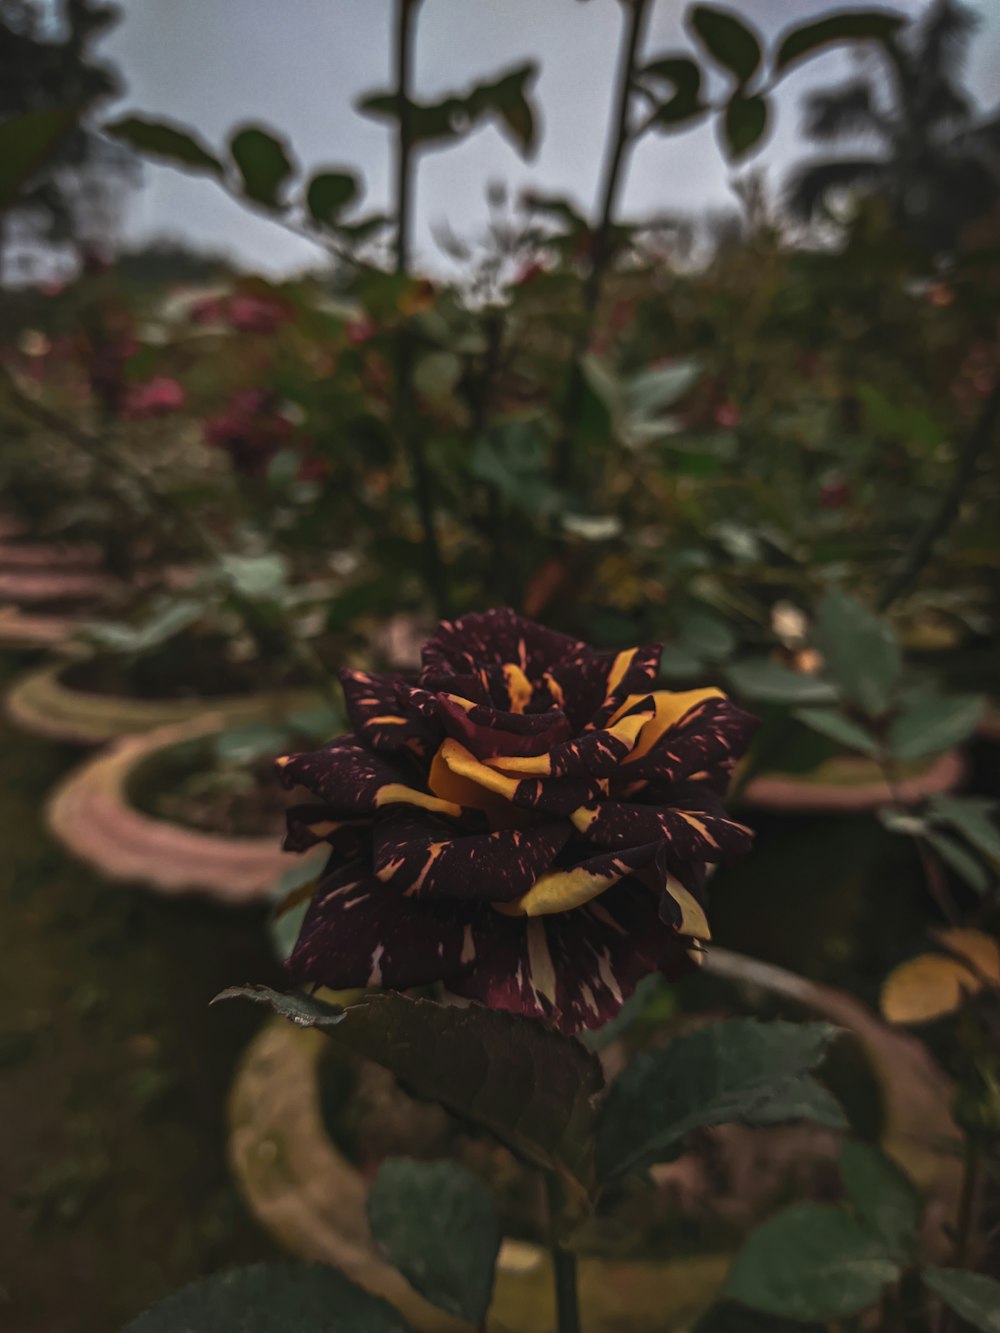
{"x": 528, "y": 823}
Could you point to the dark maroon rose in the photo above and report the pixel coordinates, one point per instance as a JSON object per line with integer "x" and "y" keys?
{"x": 530, "y": 823}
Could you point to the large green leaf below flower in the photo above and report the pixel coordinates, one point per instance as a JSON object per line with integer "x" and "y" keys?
{"x": 530, "y": 1087}
{"x": 437, "y": 1223}
{"x": 812, "y": 1261}
{"x": 737, "y": 1070}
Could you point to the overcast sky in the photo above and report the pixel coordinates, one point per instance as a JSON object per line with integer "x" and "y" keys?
{"x": 298, "y": 65}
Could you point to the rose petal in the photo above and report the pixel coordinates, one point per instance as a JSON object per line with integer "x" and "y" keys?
{"x": 702, "y": 747}
{"x": 495, "y": 637}
{"x": 309, "y": 825}
{"x": 424, "y": 857}
{"x": 562, "y": 889}
{"x": 486, "y": 731}
{"x": 358, "y": 932}
{"x": 696, "y": 834}
{"x": 383, "y": 718}
{"x": 592, "y": 685}
{"x": 354, "y": 780}
{"x": 595, "y": 754}
{"x": 574, "y": 970}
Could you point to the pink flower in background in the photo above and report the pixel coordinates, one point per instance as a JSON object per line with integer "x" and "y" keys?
{"x": 209, "y": 310}
{"x": 157, "y": 397}
{"x": 727, "y": 416}
{"x": 257, "y": 314}
{"x": 835, "y": 494}
{"x": 250, "y": 429}
{"x": 360, "y": 330}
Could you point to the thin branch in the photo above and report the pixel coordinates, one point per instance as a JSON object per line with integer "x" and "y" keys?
{"x": 919, "y": 554}
{"x": 406, "y": 426}
{"x": 619, "y": 146}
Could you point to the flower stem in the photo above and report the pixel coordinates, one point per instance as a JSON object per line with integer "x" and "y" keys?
{"x": 563, "y": 1269}
{"x": 637, "y": 13}
{"x": 405, "y": 419}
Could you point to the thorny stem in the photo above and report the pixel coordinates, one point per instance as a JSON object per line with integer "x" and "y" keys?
{"x": 199, "y": 536}
{"x": 976, "y": 444}
{"x": 404, "y": 416}
{"x": 637, "y": 14}
{"x": 563, "y": 1269}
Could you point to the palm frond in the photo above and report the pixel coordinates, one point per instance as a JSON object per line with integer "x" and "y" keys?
{"x": 809, "y": 186}
{"x": 837, "y": 113}
{"x": 941, "y": 40}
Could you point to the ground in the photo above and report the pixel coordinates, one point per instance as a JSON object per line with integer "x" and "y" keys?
{"x": 113, "y": 1076}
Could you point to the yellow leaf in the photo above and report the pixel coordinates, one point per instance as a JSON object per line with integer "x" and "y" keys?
{"x": 981, "y": 952}
{"x": 927, "y": 987}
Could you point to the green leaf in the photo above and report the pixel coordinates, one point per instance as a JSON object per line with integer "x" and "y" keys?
{"x": 169, "y": 142}
{"x": 513, "y": 457}
{"x": 852, "y": 26}
{"x": 728, "y": 1317}
{"x": 765, "y": 681}
{"x": 706, "y": 637}
{"x": 737, "y": 1070}
{"x": 728, "y": 39}
{"x": 964, "y": 864}
{"x": 329, "y": 193}
{"x": 860, "y": 651}
{"x": 683, "y": 76}
{"x": 436, "y": 375}
{"x": 430, "y": 123}
{"x": 163, "y": 623}
{"x": 882, "y": 1196}
{"x": 652, "y": 390}
{"x": 247, "y": 745}
{"x": 437, "y": 1224}
{"x": 828, "y": 722}
{"x": 26, "y": 144}
{"x": 811, "y": 1261}
{"x": 271, "y": 1298}
{"x": 306, "y": 1011}
{"x": 530, "y": 1087}
{"x": 503, "y": 100}
{"x": 263, "y": 163}
{"x": 973, "y": 817}
{"x": 929, "y": 726}
{"x": 506, "y": 99}
{"x": 973, "y": 1296}
{"x": 744, "y": 124}
{"x": 256, "y": 577}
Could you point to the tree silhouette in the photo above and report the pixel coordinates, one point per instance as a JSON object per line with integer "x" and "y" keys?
{"x": 46, "y": 65}
{"x": 926, "y": 150}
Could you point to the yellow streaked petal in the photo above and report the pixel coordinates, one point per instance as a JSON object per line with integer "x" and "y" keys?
{"x": 671, "y": 706}
{"x": 584, "y": 817}
{"x": 397, "y": 793}
{"x": 541, "y": 764}
{"x": 618, "y": 668}
{"x": 519, "y": 688}
{"x": 694, "y": 922}
{"x": 465, "y": 704}
{"x": 560, "y": 891}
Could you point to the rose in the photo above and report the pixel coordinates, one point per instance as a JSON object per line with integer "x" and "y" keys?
{"x": 529, "y": 823}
